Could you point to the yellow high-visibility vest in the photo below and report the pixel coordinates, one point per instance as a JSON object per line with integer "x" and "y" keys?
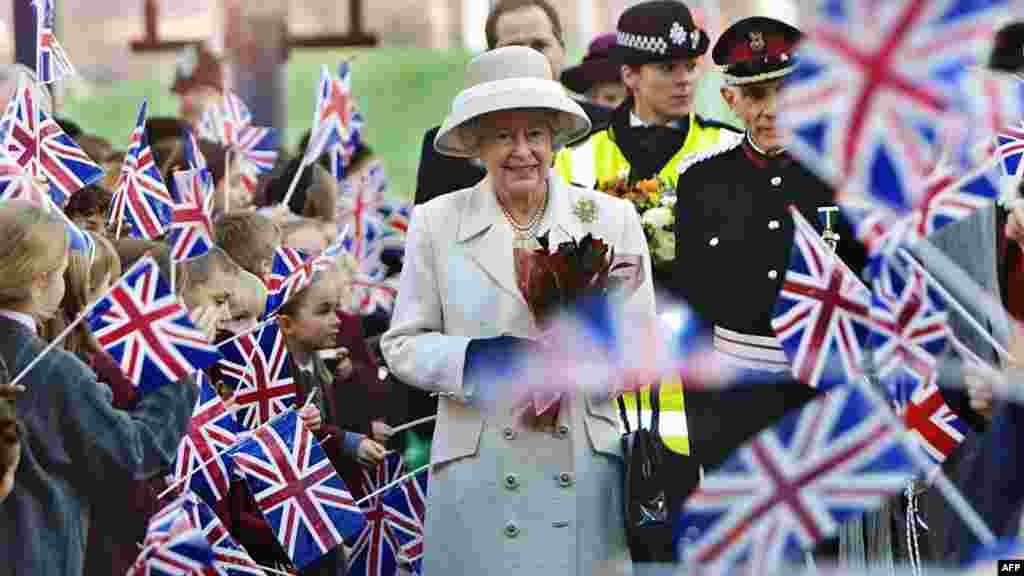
{"x": 599, "y": 159}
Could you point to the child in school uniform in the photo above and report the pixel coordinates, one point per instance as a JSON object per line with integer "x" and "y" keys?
{"x": 74, "y": 440}
{"x": 310, "y": 324}
{"x": 250, "y": 238}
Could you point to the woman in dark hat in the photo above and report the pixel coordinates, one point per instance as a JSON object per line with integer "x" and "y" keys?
{"x": 597, "y": 77}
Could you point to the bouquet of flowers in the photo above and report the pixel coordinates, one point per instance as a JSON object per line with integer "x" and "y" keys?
{"x": 553, "y": 281}
{"x": 654, "y": 200}
{"x": 557, "y": 280}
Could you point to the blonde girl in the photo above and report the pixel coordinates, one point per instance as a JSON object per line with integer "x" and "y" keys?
{"x": 74, "y": 440}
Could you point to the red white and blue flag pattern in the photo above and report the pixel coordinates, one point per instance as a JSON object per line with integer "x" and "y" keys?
{"x": 821, "y": 315}
{"x": 191, "y": 231}
{"x": 869, "y": 70}
{"x": 909, "y": 333}
{"x": 173, "y": 546}
{"x": 793, "y": 485}
{"x": 376, "y": 548}
{"x": 142, "y": 200}
{"x": 255, "y": 366}
{"x": 1011, "y": 147}
{"x": 291, "y": 272}
{"x": 203, "y": 457}
{"x": 52, "y": 61}
{"x": 373, "y": 292}
{"x": 405, "y": 508}
{"x": 332, "y": 118}
{"x": 298, "y": 491}
{"x": 147, "y": 330}
{"x": 229, "y": 558}
{"x": 66, "y": 167}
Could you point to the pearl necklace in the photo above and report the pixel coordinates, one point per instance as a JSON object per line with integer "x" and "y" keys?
{"x": 527, "y": 230}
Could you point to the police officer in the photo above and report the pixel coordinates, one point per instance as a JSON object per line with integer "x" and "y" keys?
{"x": 734, "y": 235}
{"x": 659, "y": 48}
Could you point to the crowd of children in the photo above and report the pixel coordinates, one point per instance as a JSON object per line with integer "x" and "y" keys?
{"x": 84, "y": 457}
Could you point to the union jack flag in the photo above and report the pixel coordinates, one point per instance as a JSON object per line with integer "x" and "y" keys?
{"x": 292, "y": 271}
{"x": 191, "y": 232}
{"x": 67, "y": 168}
{"x": 144, "y": 326}
{"x": 373, "y": 292}
{"x": 258, "y": 147}
{"x": 375, "y": 551}
{"x": 203, "y": 455}
{"x": 297, "y": 490}
{"x": 332, "y": 118}
{"x": 224, "y": 121}
{"x": 793, "y": 485}
{"x": 341, "y": 154}
{"x": 395, "y": 218}
{"x": 821, "y": 315}
{"x": 229, "y": 558}
{"x": 193, "y": 155}
{"x": 142, "y": 199}
{"x": 256, "y": 367}
{"x": 405, "y": 509}
{"x": 173, "y": 546}
{"x": 15, "y": 182}
{"x": 358, "y": 207}
{"x": 52, "y": 61}
{"x": 908, "y": 335}
{"x": 868, "y": 70}
{"x": 946, "y": 199}
{"x": 1011, "y": 147}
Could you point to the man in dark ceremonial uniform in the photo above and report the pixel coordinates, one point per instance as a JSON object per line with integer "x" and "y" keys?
{"x": 734, "y": 235}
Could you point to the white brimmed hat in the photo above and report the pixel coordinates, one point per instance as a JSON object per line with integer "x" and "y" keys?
{"x": 508, "y": 78}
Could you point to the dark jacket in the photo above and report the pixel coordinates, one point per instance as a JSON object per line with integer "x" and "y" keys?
{"x": 734, "y": 235}
{"x": 75, "y": 441}
{"x": 439, "y": 174}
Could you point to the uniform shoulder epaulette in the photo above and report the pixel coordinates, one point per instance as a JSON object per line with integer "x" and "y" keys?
{"x": 716, "y": 124}
{"x": 726, "y": 142}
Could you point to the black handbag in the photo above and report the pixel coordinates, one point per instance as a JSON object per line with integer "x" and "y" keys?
{"x": 645, "y": 493}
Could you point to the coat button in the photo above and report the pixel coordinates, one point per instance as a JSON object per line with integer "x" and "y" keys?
{"x": 777, "y": 180}
{"x": 772, "y": 274}
{"x": 773, "y": 225}
{"x": 382, "y": 373}
{"x": 511, "y": 481}
{"x": 511, "y": 529}
{"x": 562, "y": 431}
{"x": 565, "y": 479}
{"x": 509, "y": 433}
{"x": 713, "y": 241}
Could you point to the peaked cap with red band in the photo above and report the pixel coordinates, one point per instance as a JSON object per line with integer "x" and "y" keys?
{"x": 756, "y": 49}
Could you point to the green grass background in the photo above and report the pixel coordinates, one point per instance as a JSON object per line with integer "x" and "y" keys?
{"x": 402, "y": 91}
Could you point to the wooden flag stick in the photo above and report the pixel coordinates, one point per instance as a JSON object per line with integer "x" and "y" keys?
{"x": 248, "y": 331}
{"x": 957, "y": 306}
{"x": 413, "y": 424}
{"x": 295, "y": 181}
{"x": 391, "y": 485}
{"x": 227, "y": 180}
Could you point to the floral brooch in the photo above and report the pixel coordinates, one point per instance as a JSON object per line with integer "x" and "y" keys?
{"x": 586, "y": 210}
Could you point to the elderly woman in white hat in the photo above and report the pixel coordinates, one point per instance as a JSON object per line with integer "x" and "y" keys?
{"x": 506, "y": 497}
